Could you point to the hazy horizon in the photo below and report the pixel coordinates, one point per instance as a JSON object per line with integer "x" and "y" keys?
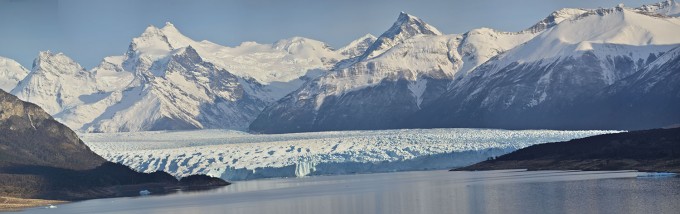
{"x": 88, "y": 31}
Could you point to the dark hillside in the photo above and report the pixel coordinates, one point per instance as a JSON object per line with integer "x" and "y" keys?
{"x": 42, "y": 158}
{"x": 648, "y": 150}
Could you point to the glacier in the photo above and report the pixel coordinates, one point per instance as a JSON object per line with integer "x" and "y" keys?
{"x": 235, "y": 155}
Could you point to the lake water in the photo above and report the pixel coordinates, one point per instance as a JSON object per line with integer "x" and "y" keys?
{"x": 506, "y": 191}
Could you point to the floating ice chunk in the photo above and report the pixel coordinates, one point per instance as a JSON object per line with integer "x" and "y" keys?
{"x": 656, "y": 175}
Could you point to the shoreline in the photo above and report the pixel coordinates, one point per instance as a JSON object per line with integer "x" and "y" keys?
{"x": 13, "y": 204}
{"x": 10, "y": 204}
{"x": 656, "y": 150}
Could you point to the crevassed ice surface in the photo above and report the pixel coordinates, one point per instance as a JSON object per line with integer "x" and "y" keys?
{"x": 234, "y": 155}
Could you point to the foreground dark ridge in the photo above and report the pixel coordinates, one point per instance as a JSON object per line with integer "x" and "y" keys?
{"x": 649, "y": 150}
{"x": 41, "y": 158}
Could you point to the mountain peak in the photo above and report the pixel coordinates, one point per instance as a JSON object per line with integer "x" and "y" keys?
{"x": 358, "y": 46}
{"x": 405, "y": 27}
{"x": 45, "y": 54}
{"x": 368, "y": 35}
{"x": 155, "y": 43}
{"x": 407, "y": 22}
{"x": 404, "y": 15}
{"x": 301, "y": 45}
{"x": 170, "y": 30}
{"x": 150, "y": 31}
{"x": 555, "y": 18}
{"x": 50, "y": 61}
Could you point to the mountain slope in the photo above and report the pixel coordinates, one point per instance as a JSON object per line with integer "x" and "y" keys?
{"x": 11, "y": 72}
{"x": 30, "y": 136}
{"x": 537, "y": 84}
{"x": 408, "y": 67}
{"x": 185, "y": 93}
{"x": 648, "y": 99}
{"x": 392, "y": 83}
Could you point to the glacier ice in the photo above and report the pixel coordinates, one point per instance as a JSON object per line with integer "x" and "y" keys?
{"x": 234, "y": 155}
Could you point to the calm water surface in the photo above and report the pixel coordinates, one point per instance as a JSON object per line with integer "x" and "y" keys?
{"x": 508, "y": 191}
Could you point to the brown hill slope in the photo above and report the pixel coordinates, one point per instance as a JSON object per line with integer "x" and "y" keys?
{"x": 42, "y": 158}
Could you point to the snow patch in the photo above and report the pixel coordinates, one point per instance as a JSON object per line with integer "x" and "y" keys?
{"x": 418, "y": 88}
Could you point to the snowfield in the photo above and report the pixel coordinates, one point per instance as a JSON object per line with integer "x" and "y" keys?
{"x": 234, "y": 155}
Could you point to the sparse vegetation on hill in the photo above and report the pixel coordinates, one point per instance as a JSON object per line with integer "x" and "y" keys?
{"x": 42, "y": 158}
{"x": 648, "y": 150}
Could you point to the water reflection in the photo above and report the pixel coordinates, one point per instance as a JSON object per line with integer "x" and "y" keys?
{"x": 415, "y": 192}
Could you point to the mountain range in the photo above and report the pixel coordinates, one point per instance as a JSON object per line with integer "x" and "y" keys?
{"x": 606, "y": 68}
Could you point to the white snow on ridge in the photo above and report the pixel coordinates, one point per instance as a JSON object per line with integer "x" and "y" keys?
{"x": 11, "y": 72}
{"x": 607, "y": 32}
{"x": 667, "y": 8}
{"x": 283, "y": 61}
{"x": 234, "y": 155}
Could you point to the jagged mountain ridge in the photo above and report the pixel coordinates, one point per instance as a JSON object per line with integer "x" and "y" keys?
{"x": 55, "y": 83}
{"x": 167, "y": 81}
{"x": 186, "y": 93}
{"x": 666, "y": 8}
{"x": 408, "y": 67}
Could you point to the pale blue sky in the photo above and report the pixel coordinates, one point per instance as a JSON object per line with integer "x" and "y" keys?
{"x": 88, "y": 30}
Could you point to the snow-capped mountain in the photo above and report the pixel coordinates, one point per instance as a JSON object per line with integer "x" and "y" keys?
{"x": 283, "y": 61}
{"x": 408, "y": 66}
{"x": 405, "y": 27}
{"x": 182, "y": 92}
{"x": 550, "y": 75}
{"x": 170, "y": 88}
{"x": 55, "y": 83}
{"x": 168, "y": 81}
{"x": 536, "y": 84}
{"x": 11, "y": 72}
{"x": 387, "y": 79}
